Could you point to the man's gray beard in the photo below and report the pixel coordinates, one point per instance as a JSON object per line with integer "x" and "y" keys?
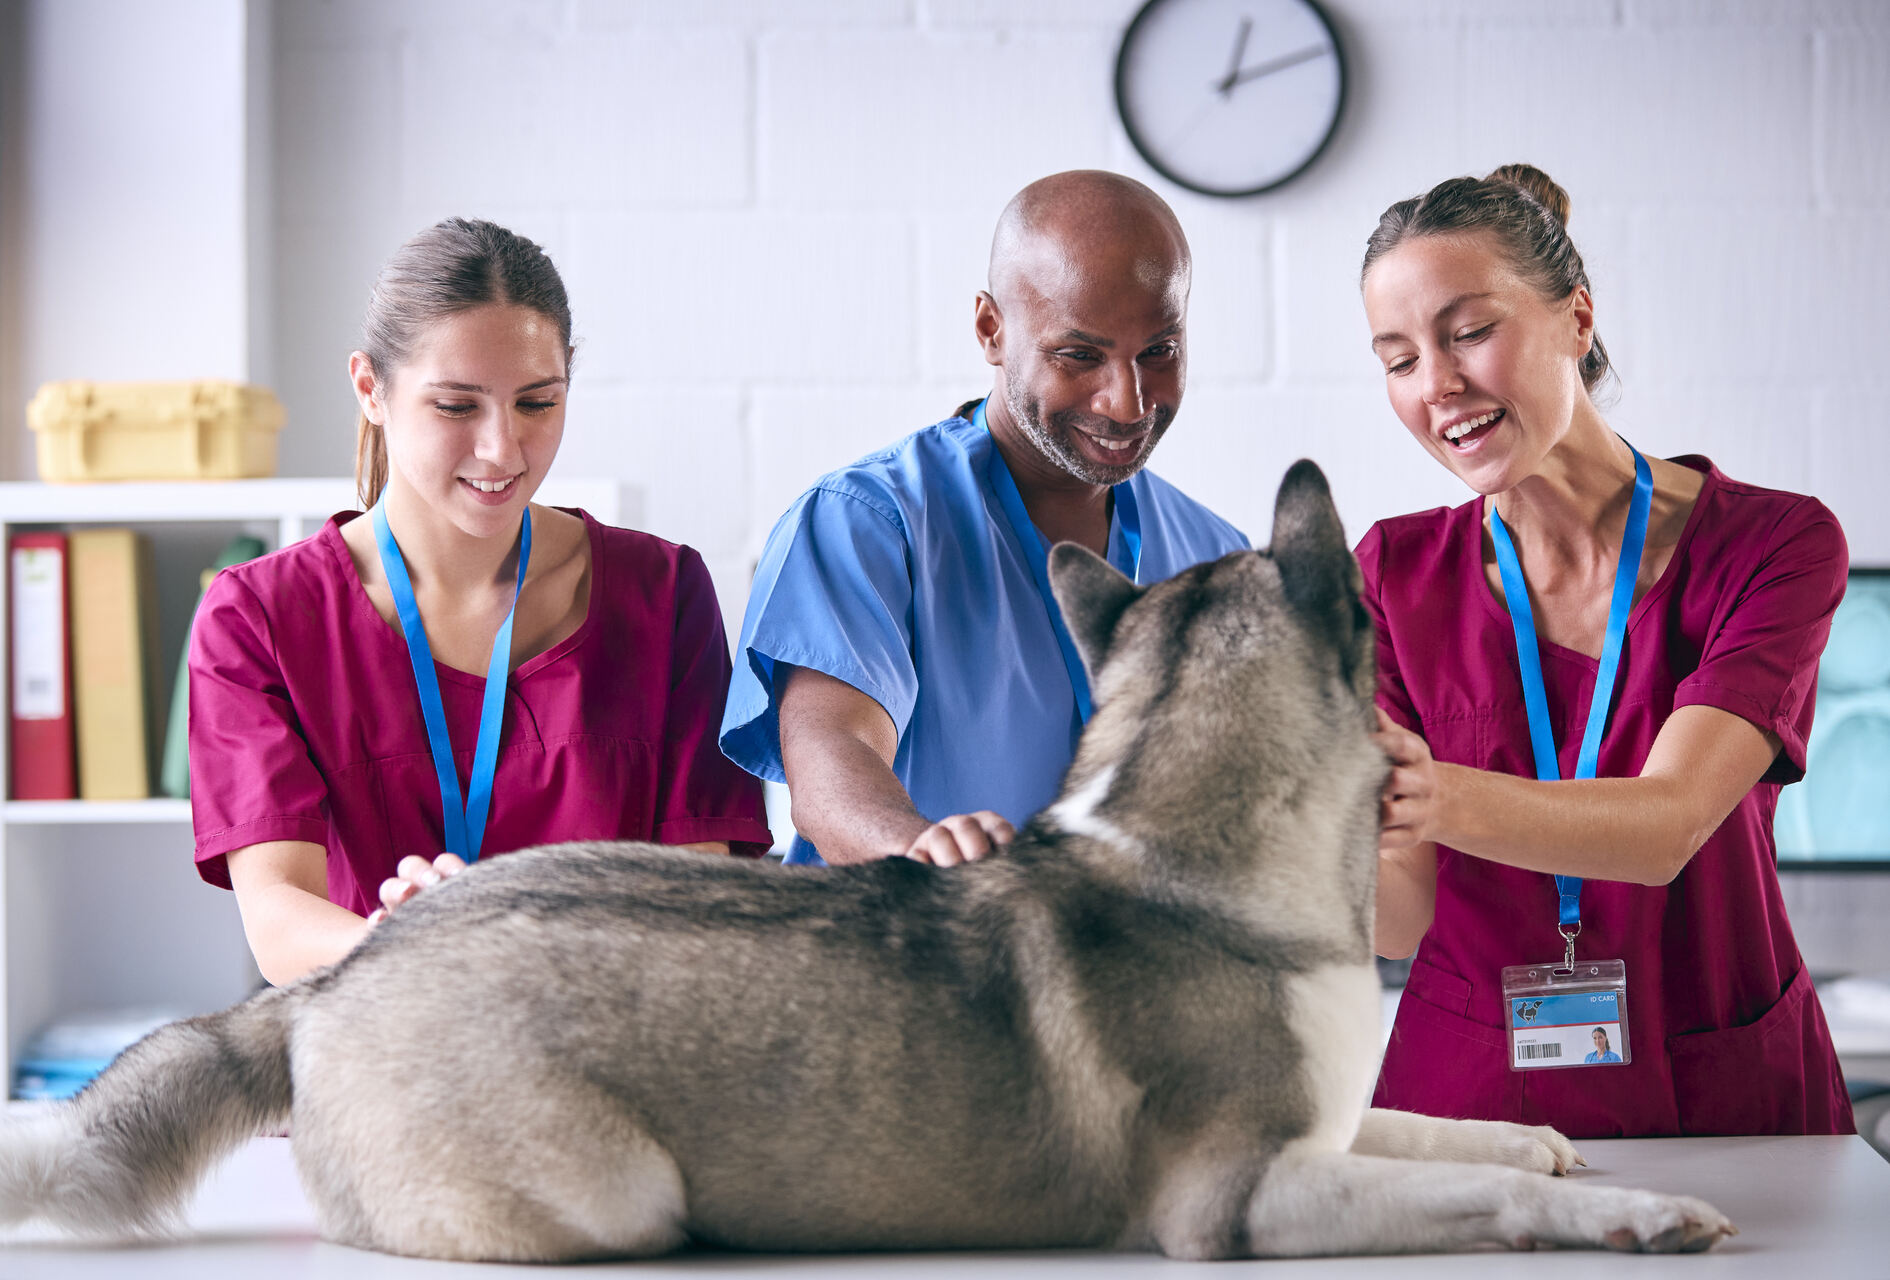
{"x": 1053, "y": 448}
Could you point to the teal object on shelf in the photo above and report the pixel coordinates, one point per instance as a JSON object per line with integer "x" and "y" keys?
{"x": 174, "y": 773}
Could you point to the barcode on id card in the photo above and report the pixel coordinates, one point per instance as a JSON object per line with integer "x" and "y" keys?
{"x": 1538, "y": 1051}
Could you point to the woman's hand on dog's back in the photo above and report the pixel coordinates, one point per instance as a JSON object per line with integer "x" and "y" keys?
{"x": 411, "y": 875}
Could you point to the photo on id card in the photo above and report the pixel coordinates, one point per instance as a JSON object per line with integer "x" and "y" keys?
{"x": 1567, "y": 1017}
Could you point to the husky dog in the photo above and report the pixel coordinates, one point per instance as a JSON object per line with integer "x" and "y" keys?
{"x": 1150, "y": 1024}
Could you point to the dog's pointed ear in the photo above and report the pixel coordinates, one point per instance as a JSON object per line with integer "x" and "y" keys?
{"x": 1093, "y": 595}
{"x": 1317, "y": 570}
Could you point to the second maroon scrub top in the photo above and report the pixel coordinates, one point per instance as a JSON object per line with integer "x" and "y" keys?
{"x": 305, "y": 723}
{"x": 1727, "y": 1034}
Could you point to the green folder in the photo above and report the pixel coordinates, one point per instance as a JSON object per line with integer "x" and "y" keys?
{"x": 174, "y": 776}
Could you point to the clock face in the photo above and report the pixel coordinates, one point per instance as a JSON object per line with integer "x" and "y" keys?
{"x": 1230, "y": 97}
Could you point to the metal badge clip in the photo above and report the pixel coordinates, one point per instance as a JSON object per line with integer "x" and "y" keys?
{"x": 1569, "y": 934}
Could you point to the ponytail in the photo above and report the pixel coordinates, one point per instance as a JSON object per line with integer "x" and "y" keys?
{"x": 370, "y": 462}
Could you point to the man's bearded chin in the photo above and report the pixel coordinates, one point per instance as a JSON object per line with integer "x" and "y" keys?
{"x": 1053, "y": 441}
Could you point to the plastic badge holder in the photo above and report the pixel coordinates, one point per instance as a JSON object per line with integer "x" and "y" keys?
{"x": 1555, "y": 1012}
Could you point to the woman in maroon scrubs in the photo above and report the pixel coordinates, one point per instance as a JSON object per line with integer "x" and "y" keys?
{"x": 1481, "y": 314}
{"x": 314, "y": 788}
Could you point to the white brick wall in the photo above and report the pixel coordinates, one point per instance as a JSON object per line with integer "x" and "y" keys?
{"x": 773, "y": 217}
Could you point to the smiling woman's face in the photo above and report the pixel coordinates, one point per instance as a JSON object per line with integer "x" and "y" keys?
{"x": 474, "y": 417}
{"x": 1482, "y": 369}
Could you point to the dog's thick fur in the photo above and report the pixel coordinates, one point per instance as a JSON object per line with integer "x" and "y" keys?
{"x": 1150, "y": 1023}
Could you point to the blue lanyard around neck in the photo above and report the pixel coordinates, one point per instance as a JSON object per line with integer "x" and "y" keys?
{"x": 1528, "y": 655}
{"x": 465, "y": 826}
{"x": 1037, "y": 555}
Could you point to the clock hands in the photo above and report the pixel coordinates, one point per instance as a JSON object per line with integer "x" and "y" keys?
{"x": 1235, "y": 79}
{"x": 1232, "y": 77}
{"x": 1237, "y": 76}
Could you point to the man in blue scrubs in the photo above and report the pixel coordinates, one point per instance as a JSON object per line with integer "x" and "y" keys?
{"x": 902, "y": 666}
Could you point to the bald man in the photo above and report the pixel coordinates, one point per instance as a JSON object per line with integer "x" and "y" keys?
{"x": 904, "y": 668}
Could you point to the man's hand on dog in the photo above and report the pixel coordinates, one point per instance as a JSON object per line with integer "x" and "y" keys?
{"x": 413, "y": 874}
{"x": 1407, "y": 808}
{"x": 963, "y": 837}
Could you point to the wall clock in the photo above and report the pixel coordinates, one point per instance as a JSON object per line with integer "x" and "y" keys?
{"x": 1230, "y": 97}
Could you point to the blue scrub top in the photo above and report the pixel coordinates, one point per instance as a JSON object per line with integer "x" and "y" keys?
{"x": 901, "y": 576}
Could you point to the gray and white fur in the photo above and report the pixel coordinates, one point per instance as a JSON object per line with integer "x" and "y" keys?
{"x": 1150, "y": 1024}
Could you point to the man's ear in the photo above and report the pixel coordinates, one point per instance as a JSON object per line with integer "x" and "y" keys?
{"x": 1093, "y": 595}
{"x": 988, "y": 323}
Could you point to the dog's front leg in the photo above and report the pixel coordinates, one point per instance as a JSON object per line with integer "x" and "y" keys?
{"x": 1405, "y": 1135}
{"x": 1340, "y": 1203}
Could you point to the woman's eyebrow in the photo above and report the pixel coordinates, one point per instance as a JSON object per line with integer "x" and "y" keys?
{"x": 474, "y": 388}
{"x": 1459, "y": 300}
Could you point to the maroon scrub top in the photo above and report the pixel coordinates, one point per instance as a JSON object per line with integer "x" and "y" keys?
{"x": 1727, "y": 1033}
{"x": 305, "y": 723}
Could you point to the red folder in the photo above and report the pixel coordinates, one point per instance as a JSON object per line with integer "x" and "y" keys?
{"x": 39, "y": 676}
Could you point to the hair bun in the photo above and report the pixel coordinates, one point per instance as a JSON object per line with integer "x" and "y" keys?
{"x": 1539, "y": 185}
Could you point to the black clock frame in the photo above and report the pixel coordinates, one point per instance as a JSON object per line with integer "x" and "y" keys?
{"x": 1142, "y": 149}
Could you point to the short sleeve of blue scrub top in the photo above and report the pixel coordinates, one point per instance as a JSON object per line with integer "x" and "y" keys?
{"x": 832, "y": 592}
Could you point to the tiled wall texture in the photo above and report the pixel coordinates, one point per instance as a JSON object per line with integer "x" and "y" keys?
{"x": 773, "y": 217}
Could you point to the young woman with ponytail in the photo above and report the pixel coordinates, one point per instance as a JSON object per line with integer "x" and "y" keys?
{"x": 1711, "y": 598}
{"x": 458, "y": 668}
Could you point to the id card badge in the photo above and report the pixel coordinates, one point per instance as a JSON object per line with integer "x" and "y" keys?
{"x": 1567, "y": 1015}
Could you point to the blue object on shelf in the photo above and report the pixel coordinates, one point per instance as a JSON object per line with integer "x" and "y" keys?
{"x": 65, "y": 1056}
{"x": 39, "y": 1079}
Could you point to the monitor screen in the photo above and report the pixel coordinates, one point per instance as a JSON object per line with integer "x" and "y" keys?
{"x": 1838, "y": 817}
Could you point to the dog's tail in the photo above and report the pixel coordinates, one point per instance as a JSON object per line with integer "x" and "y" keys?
{"x": 124, "y": 1156}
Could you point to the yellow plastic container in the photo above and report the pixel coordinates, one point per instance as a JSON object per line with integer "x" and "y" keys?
{"x": 204, "y": 430}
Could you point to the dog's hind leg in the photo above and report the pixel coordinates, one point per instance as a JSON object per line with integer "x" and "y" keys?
{"x": 569, "y": 1184}
{"x": 1403, "y": 1206}
{"x": 1405, "y": 1135}
{"x": 1198, "y": 1207}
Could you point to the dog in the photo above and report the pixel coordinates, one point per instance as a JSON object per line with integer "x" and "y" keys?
{"x": 1150, "y": 1024}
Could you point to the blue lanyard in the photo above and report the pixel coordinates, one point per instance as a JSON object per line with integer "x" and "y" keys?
{"x": 465, "y": 827}
{"x": 1037, "y": 555}
{"x": 1528, "y": 656}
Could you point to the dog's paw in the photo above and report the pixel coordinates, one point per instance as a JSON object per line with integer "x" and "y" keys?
{"x": 1553, "y": 1153}
{"x": 1533, "y": 1148}
{"x": 1669, "y": 1224}
{"x": 1585, "y": 1216}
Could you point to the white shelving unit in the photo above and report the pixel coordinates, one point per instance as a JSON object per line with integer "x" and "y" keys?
{"x": 100, "y": 905}
{"x": 28, "y": 813}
